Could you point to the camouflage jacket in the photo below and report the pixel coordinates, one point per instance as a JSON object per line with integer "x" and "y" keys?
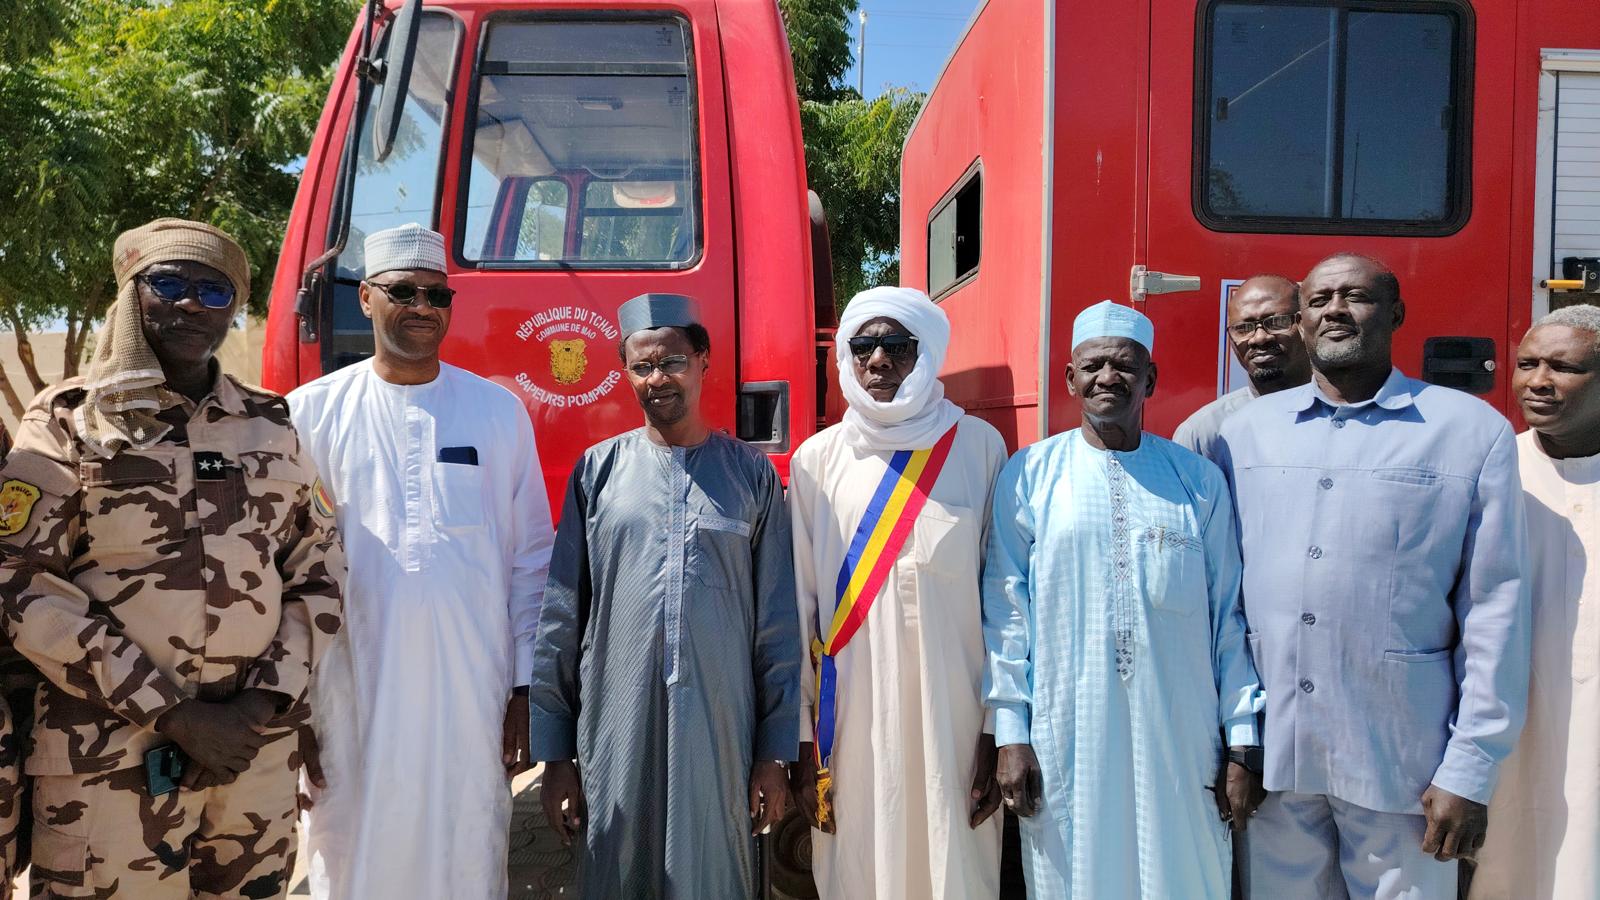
{"x": 204, "y": 565}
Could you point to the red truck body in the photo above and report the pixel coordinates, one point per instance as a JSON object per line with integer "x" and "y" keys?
{"x": 1068, "y": 142}
{"x": 574, "y": 155}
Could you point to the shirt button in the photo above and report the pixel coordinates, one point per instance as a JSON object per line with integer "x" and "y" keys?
{"x": 1308, "y": 618}
{"x": 1306, "y": 685}
{"x": 1314, "y": 553}
{"x": 1338, "y": 423}
{"x": 1326, "y": 484}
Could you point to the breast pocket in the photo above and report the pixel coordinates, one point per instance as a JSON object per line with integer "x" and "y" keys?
{"x": 945, "y": 539}
{"x": 1172, "y": 564}
{"x": 458, "y": 499}
{"x": 132, "y": 500}
{"x": 719, "y": 548}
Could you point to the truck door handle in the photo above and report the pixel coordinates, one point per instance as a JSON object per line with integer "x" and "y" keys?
{"x": 1142, "y": 282}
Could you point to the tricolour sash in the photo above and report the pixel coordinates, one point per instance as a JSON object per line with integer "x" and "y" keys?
{"x": 877, "y": 543}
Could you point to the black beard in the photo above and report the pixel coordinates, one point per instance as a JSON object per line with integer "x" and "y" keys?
{"x": 1266, "y": 375}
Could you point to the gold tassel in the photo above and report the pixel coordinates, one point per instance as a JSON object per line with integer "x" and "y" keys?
{"x": 824, "y": 788}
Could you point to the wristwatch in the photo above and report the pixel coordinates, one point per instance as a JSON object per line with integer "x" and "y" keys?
{"x": 1252, "y": 758}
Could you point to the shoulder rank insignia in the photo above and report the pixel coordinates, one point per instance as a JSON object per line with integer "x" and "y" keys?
{"x": 16, "y": 505}
{"x": 321, "y": 500}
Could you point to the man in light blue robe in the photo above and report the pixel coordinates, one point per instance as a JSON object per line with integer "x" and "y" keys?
{"x": 1117, "y": 656}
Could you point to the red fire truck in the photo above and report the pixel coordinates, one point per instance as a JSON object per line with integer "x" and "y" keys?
{"x": 573, "y": 154}
{"x": 1160, "y": 151}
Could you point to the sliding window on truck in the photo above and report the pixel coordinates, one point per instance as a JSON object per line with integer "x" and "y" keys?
{"x": 1299, "y": 128}
{"x": 583, "y": 146}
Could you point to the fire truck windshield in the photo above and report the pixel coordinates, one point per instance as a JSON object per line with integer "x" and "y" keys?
{"x": 583, "y": 148}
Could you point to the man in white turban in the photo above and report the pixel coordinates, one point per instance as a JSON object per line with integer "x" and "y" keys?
{"x": 421, "y": 708}
{"x": 889, "y": 510}
{"x": 1117, "y": 660}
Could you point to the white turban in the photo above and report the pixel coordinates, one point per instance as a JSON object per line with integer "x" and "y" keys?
{"x": 919, "y": 414}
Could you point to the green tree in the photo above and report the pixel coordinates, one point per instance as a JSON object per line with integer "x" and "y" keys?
{"x": 852, "y": 146}
{"x": 120, "y": 111}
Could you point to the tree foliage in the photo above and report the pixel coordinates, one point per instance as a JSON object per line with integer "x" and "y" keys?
{"x": 120, "y": 111}
{"x": 852, "y": 146}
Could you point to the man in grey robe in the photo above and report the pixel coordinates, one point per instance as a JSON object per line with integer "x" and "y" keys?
{"x": 1263, "y": 329}
{"x": 665, "y": 698}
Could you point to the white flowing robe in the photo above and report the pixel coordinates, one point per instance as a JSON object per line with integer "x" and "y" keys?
{"x": 447, "y": 568}
{"x": 909, "y": 704}
{"x": 1544, "y": 820}
{"x": 1084, "y": 539}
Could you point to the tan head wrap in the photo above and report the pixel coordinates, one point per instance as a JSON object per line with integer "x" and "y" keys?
{"x": 122, "y": 403}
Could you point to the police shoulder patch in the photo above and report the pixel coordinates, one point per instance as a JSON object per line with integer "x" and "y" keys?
{"x": 16, "y": 505}
{"x": 321, "y": 500}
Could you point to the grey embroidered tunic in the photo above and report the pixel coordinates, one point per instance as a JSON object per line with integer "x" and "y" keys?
{"x": 667, "y": 660}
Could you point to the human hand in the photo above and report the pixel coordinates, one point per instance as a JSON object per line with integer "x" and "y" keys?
{"x": 1238, "y": 794}
{"x": 1021, "y": 781}
{"x": 561, "y": 792}
{"x": 311, "y": 761}
{"x": 803, "y": 785}
{"x": 1456, "y": 825}
{"x": 515, "y": 739}
{"x": 985, "y": 787}
{"x": 221, "y": 737}
{"x": 769, "y": 795}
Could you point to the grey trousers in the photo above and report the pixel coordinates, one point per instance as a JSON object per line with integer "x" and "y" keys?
{"x": 1315, "y": 847}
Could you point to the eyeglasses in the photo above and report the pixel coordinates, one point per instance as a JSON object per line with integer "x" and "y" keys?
{"x": 404, "y": 293}
{"x": 895, "y": 346}
{"x": 172, "y": 288}
{"x": 1271, "y": 325}
{"x": 670, "y": 365}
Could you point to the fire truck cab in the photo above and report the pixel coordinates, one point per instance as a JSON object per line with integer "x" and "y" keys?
{"x": 574, "y": 154}
{"x": 1161, "y": 151}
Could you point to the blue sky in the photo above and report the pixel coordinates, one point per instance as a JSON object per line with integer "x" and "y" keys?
{"x": 908, "y": 41}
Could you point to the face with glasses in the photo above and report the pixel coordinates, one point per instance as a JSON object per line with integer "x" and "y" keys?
{"x": 410, "y": 312}
{"x": 1263, "y": 326}
{"x": 884, "y": 353}
{"x": 187, "y": 308}
{"x": 666, "y": 373}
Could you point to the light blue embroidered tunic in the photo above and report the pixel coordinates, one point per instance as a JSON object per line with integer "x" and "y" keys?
{"x": 1117, "y": 649}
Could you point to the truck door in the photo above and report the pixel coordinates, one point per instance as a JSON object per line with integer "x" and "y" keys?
{"x": 1278, "y": 133}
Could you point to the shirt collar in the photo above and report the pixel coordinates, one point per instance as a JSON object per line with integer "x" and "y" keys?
{"x": 1395, "y": 393}
{"x": 225, "y": 393}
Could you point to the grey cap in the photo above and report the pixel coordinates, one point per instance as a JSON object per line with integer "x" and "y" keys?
{"x": 656, "y": 311}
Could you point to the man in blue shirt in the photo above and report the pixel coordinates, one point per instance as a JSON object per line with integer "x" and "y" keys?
{"x": 1384, "y": 544}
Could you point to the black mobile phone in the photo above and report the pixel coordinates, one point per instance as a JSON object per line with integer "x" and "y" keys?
{"x": 163, "y": 769}
{"x": 461, "y": 456}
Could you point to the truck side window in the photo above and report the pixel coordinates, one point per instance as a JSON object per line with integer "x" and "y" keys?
{"x": 403, "y": 188}
{"x": 583, "y": 152}
{"x": 955, "y": 234}
{"x": 1298, "y": 128}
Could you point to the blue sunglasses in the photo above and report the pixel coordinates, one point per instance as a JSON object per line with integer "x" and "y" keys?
{"x": 172, "y": 288}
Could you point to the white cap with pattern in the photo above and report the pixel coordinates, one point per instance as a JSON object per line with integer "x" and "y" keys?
{"x": 409, "y": 246}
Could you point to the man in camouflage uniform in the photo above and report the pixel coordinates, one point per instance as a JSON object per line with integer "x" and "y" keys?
{"x": 12, "y": 668}
{"x": 168, "y": 561}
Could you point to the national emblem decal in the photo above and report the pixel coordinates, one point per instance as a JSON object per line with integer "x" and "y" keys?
{"x": 16, "y": 505}
{"x": 321, "y": 499}
{"x": 567, "y": 360}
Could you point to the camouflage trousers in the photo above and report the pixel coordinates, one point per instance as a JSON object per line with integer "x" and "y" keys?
{"x": 10, "y": 797}
{"x": 104, "y": 835}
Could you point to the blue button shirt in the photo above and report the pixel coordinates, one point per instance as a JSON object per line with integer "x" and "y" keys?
{"x": 1384, "y": 554}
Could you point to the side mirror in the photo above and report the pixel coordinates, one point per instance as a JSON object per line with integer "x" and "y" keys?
{"x": 396, "y": 77}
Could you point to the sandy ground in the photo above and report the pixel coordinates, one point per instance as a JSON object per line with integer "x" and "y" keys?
{"x": 539, "y": 867}
{"x": 240, "y": 355}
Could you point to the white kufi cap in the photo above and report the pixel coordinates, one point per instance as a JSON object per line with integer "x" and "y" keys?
{"x": 409, "y": 246}
{"x": 1107, "y": 319}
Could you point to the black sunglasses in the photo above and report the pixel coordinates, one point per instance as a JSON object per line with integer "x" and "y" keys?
{"x": 895, "y": 346}
{"x": 172, "y": 288}
{"x": 404, "y": 293}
